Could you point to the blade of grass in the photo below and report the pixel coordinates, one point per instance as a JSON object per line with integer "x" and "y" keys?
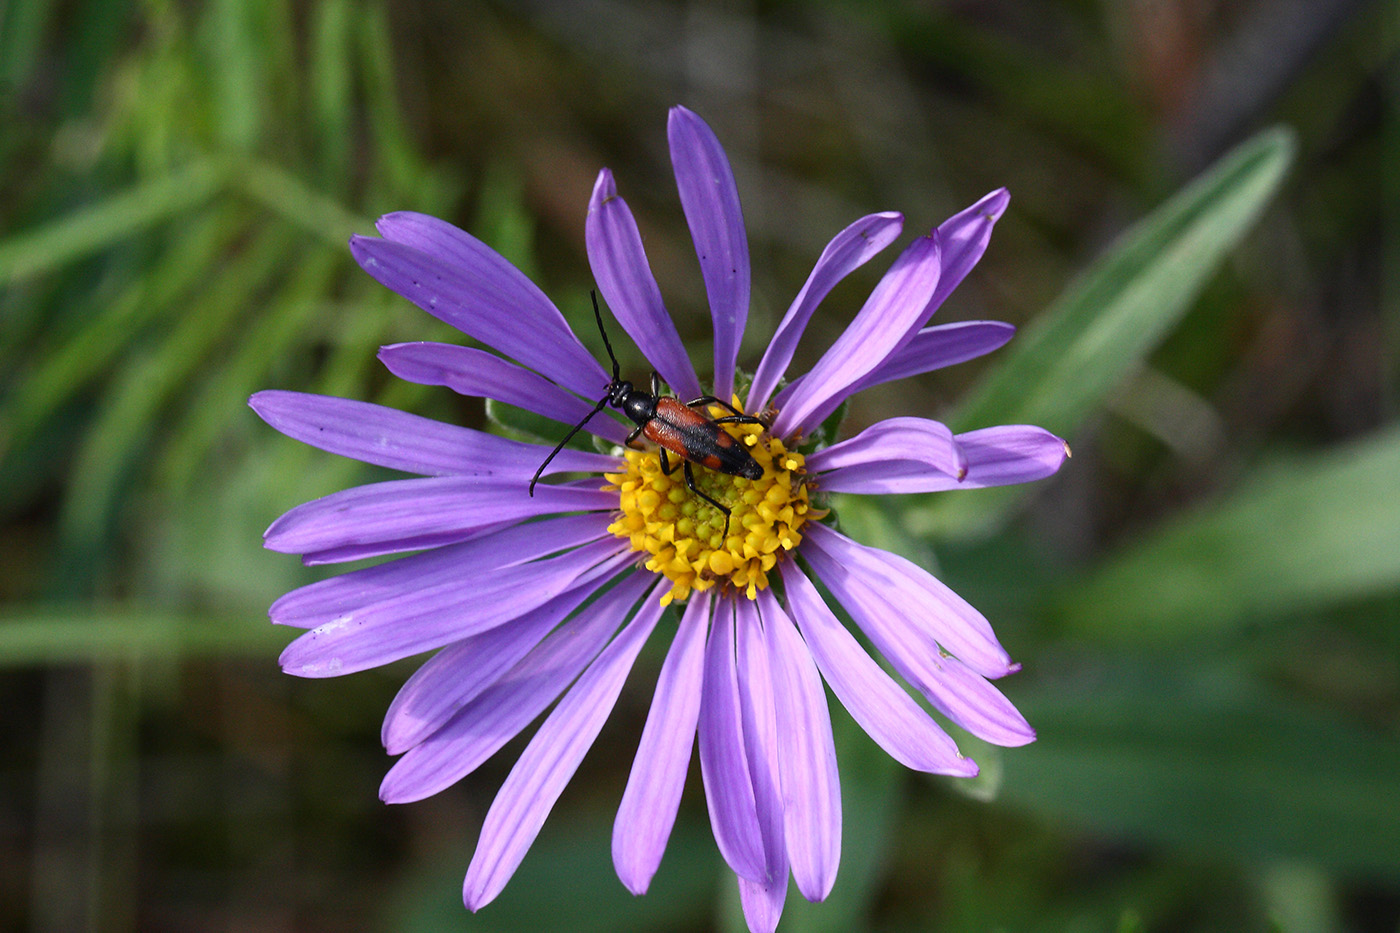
{"x": 1293, "y": 537}
{"x": 76, "y": 360}
{"x": 280, "y": 327}
{"x": 1164, "y": 751}
{"x": 47, "y": 635}
{"x": 1061, "y": 369}
{"x": 111, "y": 220}
{"x": 131, "y": 417}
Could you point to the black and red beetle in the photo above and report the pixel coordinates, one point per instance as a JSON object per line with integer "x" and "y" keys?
{"x": 673, "y": 426}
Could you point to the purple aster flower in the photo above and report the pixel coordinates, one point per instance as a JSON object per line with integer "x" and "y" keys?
{"x": 533, "y": 601}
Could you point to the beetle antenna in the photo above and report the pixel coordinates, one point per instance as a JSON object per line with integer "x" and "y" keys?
{"x": 617, "y": 370}
{"x": 602, "y": 402}
{"x": 560, "y": 446}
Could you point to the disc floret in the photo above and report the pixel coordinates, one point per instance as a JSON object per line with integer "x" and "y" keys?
{"x": 685, "y": 536}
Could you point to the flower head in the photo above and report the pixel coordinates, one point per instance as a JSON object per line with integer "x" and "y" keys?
{"x": 533, "y": 599}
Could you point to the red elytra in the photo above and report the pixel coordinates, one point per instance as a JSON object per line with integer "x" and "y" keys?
{"x": 677, "y": 427}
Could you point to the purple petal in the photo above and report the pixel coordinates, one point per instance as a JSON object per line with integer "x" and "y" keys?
{"x": 760, "y": 727}
{"x": 430, "y": 542}
{"x": 964, "y": 238}
{"x": 619, "y": 263}
{"x": 962, "y": 696}
{"x": 500, "y": 711}
{"x": 762, "y": 902}
{"x": 942, "y": 618}
{"x": 325, "y": 600}
{"x": 880, "y": 706}
{"x": 848, "y": 251}
{"x": 710, "y": 199}
{"x": 998, "y": 456}
{"x": 724, "y": 765}
{"x": 407, "y": 509}
{"x": 550, "y": 760}
{"x": 391, "y": 438}
{"x": 940, "y": 346}
{"x": 927, "y": 444}
{"x": 653, "y": 795}
{"x": 469, "y": 371}
{"x": 806, "y": 756}
{"x": 424, "y": 621}
{"x": 882, "y": 327}
{"x": 457, "y": 674}
{"x": 1011, "y": 453}
{"x": 971, "y": 701}
{"x": 476, "y": 291}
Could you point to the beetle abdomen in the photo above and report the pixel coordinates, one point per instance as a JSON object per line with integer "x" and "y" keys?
{"x": 687, "y": 433}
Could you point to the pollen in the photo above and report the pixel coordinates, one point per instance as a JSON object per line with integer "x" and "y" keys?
{"x": 684, "y": 537}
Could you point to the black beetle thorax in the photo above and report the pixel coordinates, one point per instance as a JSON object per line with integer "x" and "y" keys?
{"x": 638, "y": 406}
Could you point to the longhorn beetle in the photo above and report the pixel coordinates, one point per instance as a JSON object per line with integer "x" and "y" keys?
{"x": 673, "y": 426}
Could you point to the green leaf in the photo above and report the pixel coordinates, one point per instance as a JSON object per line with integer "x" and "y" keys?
{"x": 70, "y": 361}
{"x": 1164, "y": 754}
{"x": 1062, "y": 368}
{"x": 282, "y": 321}
{"x": 109, "y": 221}
{"x": 1297, "y": 535}
{"x": 134, "y": 404}
{"x": 284, "y": 194}
{"x": 63, "y": 635}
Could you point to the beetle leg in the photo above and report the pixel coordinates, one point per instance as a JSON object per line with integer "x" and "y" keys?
{"x": 737, "y": 418}
{"x": 690, "y": 484}
{"x": 712, "y": 400}
{"x": 633, "y": 437}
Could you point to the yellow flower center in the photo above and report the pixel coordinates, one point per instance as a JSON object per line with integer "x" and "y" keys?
{"x": 685, "y": 535}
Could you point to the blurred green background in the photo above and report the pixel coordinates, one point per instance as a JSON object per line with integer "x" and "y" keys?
{"x": 1206, "y": 599}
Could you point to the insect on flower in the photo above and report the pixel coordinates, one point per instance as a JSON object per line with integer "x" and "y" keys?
{"x": 680, "y": 428}
{"x": 539, "y": 606}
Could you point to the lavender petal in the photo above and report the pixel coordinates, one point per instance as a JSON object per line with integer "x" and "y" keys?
{"x": 971, "y": 701}
{"x": 724, "y": 764}
{"x": 457, "y": 674}
{"x": 469, "y": 371}
{"x": 710, "y": 199}
{"x": 848, "y": 251}
{"x": 806, "y": 756}
{"x": 410, "y": 508}
{"x": 424, "y": 621}
{"x": 619, "y": 264}
{"x": 878, "y": 704}
{"x": 428, "y": 542}
{"x": 882, "y": 327}
{"x": 653, "y": 795}
{"x": 928, "y": 444}
{"x": 757, "y": 707}
{"x": 320, "y": 602}
{"x": 550, "y": 760}
{"x": 964, "y": 237}
{"x": 998, "y": 456}
{"x": 941, "y": 617}
{"x": 937, "y": 347}
{"x": 391, "y": 438}
{"x": 762, "y": 902}
{"x": 476, "y": 291}
{"x": 500, "y": 711}
{"x": 952, "y": 689}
